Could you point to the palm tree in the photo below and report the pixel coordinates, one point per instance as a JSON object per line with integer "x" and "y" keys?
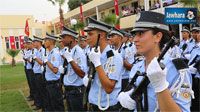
{"x": 60, "y": 3}
{"x": 76, "y": 3}
{"x": 13, "y": 53}
{"x": 111, "y": 19}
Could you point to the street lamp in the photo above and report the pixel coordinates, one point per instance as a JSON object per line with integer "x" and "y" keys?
{"x": 73, "y": 22}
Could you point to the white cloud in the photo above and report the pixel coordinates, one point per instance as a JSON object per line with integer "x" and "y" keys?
{"x": 40, "y": 9}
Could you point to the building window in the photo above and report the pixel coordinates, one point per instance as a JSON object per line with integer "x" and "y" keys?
{"x": 94, "y": 16}
{"x": 7, "y": 42}
{"x": 17, "y": 42}
{"x": 112, "y": 11}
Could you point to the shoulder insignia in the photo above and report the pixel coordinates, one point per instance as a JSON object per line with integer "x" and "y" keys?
{"x": 109, "y": 53}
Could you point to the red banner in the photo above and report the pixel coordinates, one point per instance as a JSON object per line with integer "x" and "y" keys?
{"x": 116, "y": 8}
{"x": 21, "y": 39}
{"x": 12, "y": 42}
{"x": 81, "y": 17}
{"x": 117, "y": 13}
{"x": 26, "y": 30}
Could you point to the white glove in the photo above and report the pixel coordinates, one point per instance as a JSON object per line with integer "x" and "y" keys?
{"x": 25, "y": 57}
{"x": 126, "y": 101}
{"x": 45, "y": 59}
{"x": 68, "y": 56}
{"x": 33, "y": 56}
{"x": 187, "y": 56}
{"x": 157, "y": 76}
{"x": 95, "y": 57}
{"x": 61, "y": 53}
{"x": 31, "y": 59}
{"x": 85, "y": 80}
{"x": 42, "y": 68}
{"x": 61, "y": 69}
{"x": 192, "y": 69}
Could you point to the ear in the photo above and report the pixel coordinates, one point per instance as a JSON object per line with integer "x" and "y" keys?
{"x": 101, "y": 34}
{"x": 158, "y": 37}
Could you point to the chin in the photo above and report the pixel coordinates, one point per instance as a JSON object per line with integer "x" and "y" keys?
{"x": 140, "y": 52}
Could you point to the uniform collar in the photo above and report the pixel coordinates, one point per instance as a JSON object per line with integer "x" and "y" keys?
{"x": 191, "y": 39}
{"x": 103, "y": 54}
{"x": 52, "y": 50}
{"x": 72, "y": 50}
{"x": 40, "y": 49}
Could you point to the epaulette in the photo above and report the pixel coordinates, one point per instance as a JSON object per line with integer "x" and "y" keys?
{"x": 125, "y": 47}
{"x": 109, "y": 53}
{"x": 180, "y": 63}
{"x": 130, "y": 44}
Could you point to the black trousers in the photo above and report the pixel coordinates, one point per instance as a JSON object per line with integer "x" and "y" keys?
{"x": 114, "y": 108}
{"x": 31, "y": 82}
{"x": 74, "y": 98}
{"x": 40, "y": 91}
{"x": 196, "y": 88}
{"x": 54, "y": 94}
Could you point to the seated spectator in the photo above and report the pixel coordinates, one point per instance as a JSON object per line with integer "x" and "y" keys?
{"x": 157, "y": 5}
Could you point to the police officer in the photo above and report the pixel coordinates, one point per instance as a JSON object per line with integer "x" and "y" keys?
{"x": 25, "y": 57}
{"x": 63, "y": 66}
{"x": 39, "y": 79}
{"x": 84, "y": 45}
{"x": 186, "y": 44}
{"x": 107, "y": 80}
{"x": 115, "y": 37}
{"x": 194, "y": 70}
{"x": 29, "y": 68}
{"x": 86, "y": 48}
{"x": 52, "y": 75}
{"x": 164, "y": 91}
{"x": 76, "y": 70}
{"x": 130, "y": 58}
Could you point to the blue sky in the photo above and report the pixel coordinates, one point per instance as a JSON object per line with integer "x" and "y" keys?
{"x": 42, "y": 10}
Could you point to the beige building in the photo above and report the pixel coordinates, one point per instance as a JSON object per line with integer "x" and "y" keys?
{"x": 100, "y": 8}
{"x": 12, "y": 26}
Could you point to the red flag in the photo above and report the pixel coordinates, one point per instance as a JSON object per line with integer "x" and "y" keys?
{"x": 26, "y": 30}
{"x": 21, "y": 41}
{"x": 81, "y": 17}
{"x": 12, "y": 42}
{"x": 117, "y": 13}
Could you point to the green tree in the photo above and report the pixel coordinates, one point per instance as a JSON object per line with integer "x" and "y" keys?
{"x": 13, "y": 53}
{"x": 77, "y": 27}
{"x": 189, "y": 3}
{"x": 76, "y": 3}
{"x": 111, "y": 19}
{"x": 192, "y": 4}
{"x": 60, "y": 3}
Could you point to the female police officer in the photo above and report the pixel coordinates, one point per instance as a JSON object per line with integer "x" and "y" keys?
{"x": 150, "y": 37}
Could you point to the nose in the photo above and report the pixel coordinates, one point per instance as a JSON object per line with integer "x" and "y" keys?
{"x": 136, "y": 38}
